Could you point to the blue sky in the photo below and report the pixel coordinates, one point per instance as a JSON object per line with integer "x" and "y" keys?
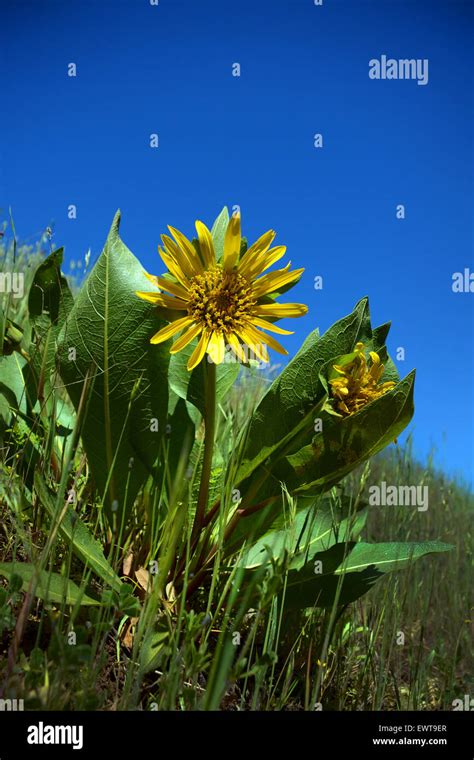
{"x": 249, "y": 140}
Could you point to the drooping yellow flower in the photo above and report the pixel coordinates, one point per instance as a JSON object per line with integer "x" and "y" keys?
{"x": 358, "y": 383}
{"x": 222, "y": 303}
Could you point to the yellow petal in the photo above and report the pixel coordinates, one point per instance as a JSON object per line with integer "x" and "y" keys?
{"x": 260, "y": 337}
{"x": 255, "y": 251}
{"x": 270, "y": 283}
{"x": 375, "y": 357}
{"x": 188, "y": 248}
{"x": 179, "y": 255}
{"x": 280, "y": 310}
{"x": 266, "y": 260}
{"x": 269, "y": 326}
{"x": 258, "y": 285}
{"x": 216, "y": 347}
{"x": 186, "y": 338}
{"x": 174, "y": 268}
{"x": 158, "y": 299}
{"x": 232, "y": 243}
{"x": 153, "y": 278}
{"x": 257, "y": 348}
{"x": 236, "y": 347}
{"x": 206, "y": 244}
{"x": 199, "y": 351}
{"x": 167, "y": 332}
{"x": 172, "y": 287}
{"x": 151, "y": 297}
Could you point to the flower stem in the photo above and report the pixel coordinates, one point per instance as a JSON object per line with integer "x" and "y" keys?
{"x": 210, "y": 425}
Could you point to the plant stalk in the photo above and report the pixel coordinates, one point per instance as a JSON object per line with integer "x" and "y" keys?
{"x": 210, "y": 426}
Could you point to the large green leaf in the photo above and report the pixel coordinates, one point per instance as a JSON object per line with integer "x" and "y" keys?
{"x": 49, "y": 303}
{"x": 346, "y": 443}
{"x": 387, "y": 557}
{"x": 352, "y": 569}
{"x": 218, "y": 232}
{"x": 294, "y": 399}
{"x": 343, "y": 444}
{"x": 12, "y": 386}
{"x": 283, "y": 445}
{"x": 12, "y": 335}
{"x": 317, "y": 525}
{"x": 51, "y": 587}
{"x": 87, "y": 548}
{"x": 156, "y": 642}
{"x": 180, "y": 434}
{"x": 3, "y": 327}
{"x": 110, "y": 329}
{"x": 49, "y": 293}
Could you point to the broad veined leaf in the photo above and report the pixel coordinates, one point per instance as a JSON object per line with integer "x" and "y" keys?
{"x": 3, "y": 327}
{"x": 49, "y": 303}
{"x": 390, "y": 556}
{"x": 108, "y": 334}
{"x": 49, "y": 293}
{"x": 304, "y": 460}
{"x": 180, "y": 434}
{"x": 84, "y": 545}
{"x": 155, "y": 643}
{"x": 350, "y": 570}
{"x": 343, "y": 444}
{"x": 315, "y": 528}
{"x": 51, "y": 587}
{"x": 218, "y": 232}
{"x": 379, "y": 336}
{"x": 65, "y": 416}
{"x": 346, "y": 443}
{"x": 12, "y": 386}
{"x": 295, "y": 398}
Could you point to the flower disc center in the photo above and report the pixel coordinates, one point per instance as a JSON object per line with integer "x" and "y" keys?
{"x": 220, "y": 300}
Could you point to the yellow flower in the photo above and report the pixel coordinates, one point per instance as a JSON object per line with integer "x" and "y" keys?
{"x": 222, "y": 303}
{"x": 358, "y": 383}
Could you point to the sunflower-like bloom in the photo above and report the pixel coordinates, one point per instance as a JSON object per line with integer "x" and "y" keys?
{"x": 222, "y": 303}
{"x": 358, "y": 383}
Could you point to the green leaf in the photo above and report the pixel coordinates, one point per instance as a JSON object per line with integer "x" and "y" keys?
{"x": 350, "y": 570}
{"x": 84, "y": 545}
{"x": 13, "y": 337}
{"x": 49, "y": 293}
{"x": 51, "y": 587}
{"x": 49, "y": 303}
{"x": 218, "y": 232}
{"x": 347, "y": 442}
{"x": 155, "y": 643}
{"x": 281, "y": 444}
{"x": 190, "y": 385}
{"x": 3, "y": 327}
{"x": 343, "y": 444}
{"x": 181, "y": 435}
{"x": 315, "y": 528}
{"x": 387, "y": 557}
{"x": 295, "y": 397}
{"x": 109, "y": 330}
{"x": 12, "y": 386}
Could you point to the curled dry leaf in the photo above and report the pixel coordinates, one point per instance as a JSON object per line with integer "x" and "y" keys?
{"x": 127, "y": 564}
{"x": 143, "y": 578}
